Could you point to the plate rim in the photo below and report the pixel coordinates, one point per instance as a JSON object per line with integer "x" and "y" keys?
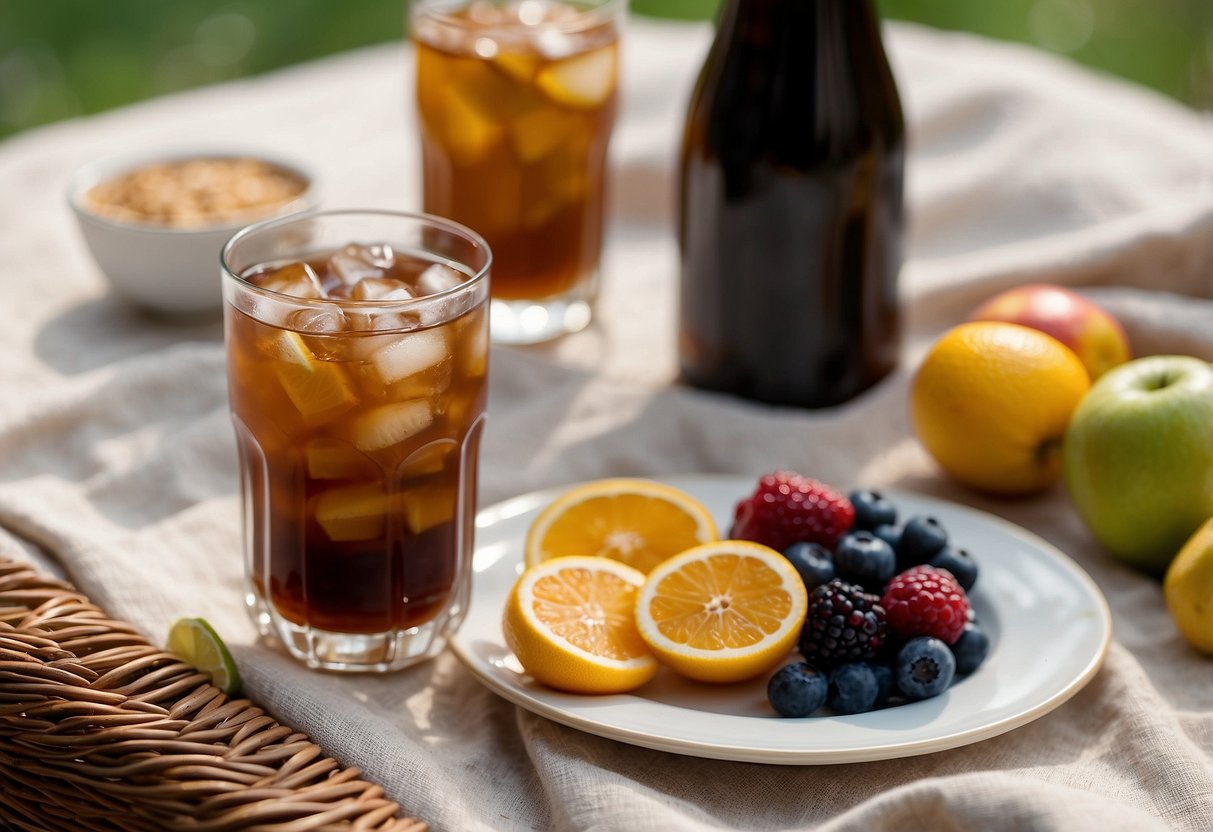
{"x": 776, "y": 756}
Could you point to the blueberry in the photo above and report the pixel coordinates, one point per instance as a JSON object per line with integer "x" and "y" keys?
{"x": 921, "y": 538}
{"x": 889, "y": 534}
{"x": 872, "y": 509}
{"x": 853, "y": 688}
{"x": 797, "y": 690}
{"x": 814, "y": 563}
{"x": 959, "y": 562}
{"x": 924, "y": 667}
{"x": 884, "y": 683}
{"x": 971, "y": 649}
{"x": 863, "y": 558}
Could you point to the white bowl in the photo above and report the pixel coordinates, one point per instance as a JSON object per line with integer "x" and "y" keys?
{"x": 167, "y": 269}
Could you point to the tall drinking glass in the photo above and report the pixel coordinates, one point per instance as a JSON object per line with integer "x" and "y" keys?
{"x": 516, "y": 101}
{"x": 357, "y": 348}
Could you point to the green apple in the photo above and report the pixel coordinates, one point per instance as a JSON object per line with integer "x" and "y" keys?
{"x": 1138, "y": 457}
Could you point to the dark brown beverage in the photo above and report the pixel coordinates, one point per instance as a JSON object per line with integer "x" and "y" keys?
{"x": 791, "y": 205}
{"x": 357, "y": 418}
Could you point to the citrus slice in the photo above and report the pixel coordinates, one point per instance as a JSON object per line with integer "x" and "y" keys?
{"x": 571, "y": 623}
{"x": 318, "y": 389}
{"x": 723, "y": 611}
{"x": 637, "y": 522}
{"x": 195, "y": 641}
{"x": 582, "y": 81}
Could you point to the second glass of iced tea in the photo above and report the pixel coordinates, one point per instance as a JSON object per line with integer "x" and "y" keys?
{"x": 516, "y": 100}
{"x": 357, "y": 346}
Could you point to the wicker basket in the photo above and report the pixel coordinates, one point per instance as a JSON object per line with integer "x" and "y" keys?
{"x": 100, "y": 730}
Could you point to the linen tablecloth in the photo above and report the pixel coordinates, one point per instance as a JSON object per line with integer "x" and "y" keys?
{"x": 117, "y": 463}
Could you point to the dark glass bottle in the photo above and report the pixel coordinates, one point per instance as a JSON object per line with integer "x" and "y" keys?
{"x": 791, "y": 205}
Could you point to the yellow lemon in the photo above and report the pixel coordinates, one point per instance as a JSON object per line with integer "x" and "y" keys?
{"x": 991, "y": 402}
{"x": 571, "y": 623}
{"x": 634, "y": 521}
{"x": 1188, "y": 589}
{"x": 723, "y": 611}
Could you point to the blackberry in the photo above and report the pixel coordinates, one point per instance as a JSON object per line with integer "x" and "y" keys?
{"x": 844, "y": 624}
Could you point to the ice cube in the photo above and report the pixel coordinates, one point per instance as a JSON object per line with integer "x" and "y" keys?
{"x": 319, "y": 320}
{"x": 352, "y": 269}
{"x": 391, "y": 424}
{"x": 438, "y": 278}
{"x": 472, "y": 342}
{"x": 409, "y": 354}
{"x": 377, "y": 254}
{"x": 485, "y": 13}
{"x": 583, "y": 81}
{"x": 294, "y": 279}
{"x": 356, "y": 512}
{"x": 381, "y": 288}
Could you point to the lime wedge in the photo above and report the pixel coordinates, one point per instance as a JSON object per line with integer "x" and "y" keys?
{"x": 197, "y": 642}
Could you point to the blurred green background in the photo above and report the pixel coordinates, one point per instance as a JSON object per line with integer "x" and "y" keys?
{"x": 64, "y": 58}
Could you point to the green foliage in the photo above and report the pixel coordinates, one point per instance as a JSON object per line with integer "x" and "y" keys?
{"x": 61, "y": 58}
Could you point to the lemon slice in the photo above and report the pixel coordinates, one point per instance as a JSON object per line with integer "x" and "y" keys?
{"x": 570, "y": 621}
{"x": 723, "y": 611}
{"x": 583, "y": 81}
{"x": 355, "y": 512}
{"x": 318, "y": 389}
{"x": 520, "y": 66}
{"x": 195, "y": 641}
{"x": 634, "y": 521}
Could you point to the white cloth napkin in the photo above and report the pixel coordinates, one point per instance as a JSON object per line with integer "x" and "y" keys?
{"x": 117, "y": 463}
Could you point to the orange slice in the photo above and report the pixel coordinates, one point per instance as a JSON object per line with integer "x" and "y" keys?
{"x": 723, "y": 611}
{"x": 571, "y": 623}
{"x": 637, "y": 522}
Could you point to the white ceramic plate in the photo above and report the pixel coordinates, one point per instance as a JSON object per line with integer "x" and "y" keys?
{"x": 1049, "y": 625}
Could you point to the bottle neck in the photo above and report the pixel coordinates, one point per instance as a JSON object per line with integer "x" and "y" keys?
{"x": 789, "y": 21}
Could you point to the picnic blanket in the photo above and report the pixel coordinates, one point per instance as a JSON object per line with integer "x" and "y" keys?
{"x": 117, "y": 460}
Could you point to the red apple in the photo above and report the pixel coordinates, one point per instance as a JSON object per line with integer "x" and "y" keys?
{"x": 1095, "y": 336}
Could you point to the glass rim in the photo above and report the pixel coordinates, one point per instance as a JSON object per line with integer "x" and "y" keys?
{"x": 432, "y": 220}
{"x": 587, "y": 16}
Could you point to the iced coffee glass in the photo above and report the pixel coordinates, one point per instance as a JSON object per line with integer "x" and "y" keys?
{"x": 516, "y": 100}
{"x": 357, "y": 348}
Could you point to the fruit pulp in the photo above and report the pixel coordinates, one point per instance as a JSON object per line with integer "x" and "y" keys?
{"x": 358, "y": 421}
{"x": 516, "y": 106}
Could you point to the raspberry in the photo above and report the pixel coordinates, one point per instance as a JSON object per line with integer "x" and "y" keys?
{"x": 844, "y": 624}
{"x": 926, "y": 601}
{"x": 787, "y": 508}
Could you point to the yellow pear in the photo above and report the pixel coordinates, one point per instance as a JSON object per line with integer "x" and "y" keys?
{"x": 1188, "y": 589}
